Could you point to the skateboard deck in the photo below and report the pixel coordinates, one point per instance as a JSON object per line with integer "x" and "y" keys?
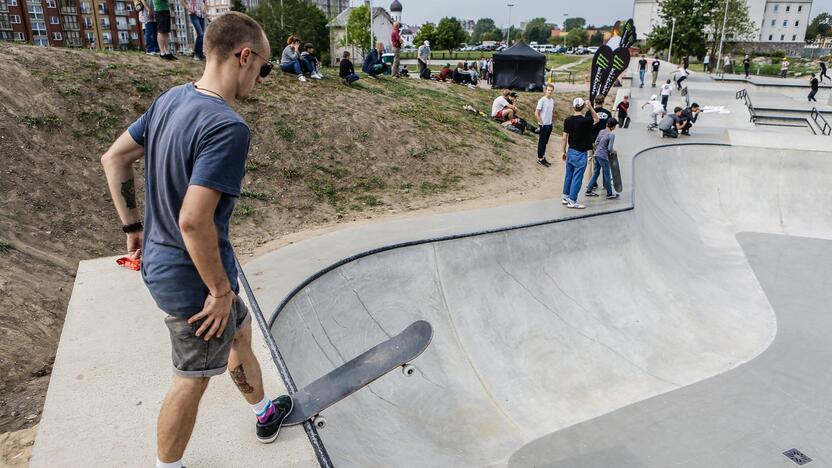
{"x": 616, "y": 172}
{"x": 626, "y": 123}
{"x": 359, "y": 372}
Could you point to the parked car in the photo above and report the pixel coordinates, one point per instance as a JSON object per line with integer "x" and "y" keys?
{"x": 546, "y": 49}
{"x": 592, "y": 49}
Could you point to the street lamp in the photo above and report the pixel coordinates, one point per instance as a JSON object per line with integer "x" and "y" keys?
{"x": 672, "y": 32}
{"x": 508, "y": 32}
{"x": 563, "y": 27}
{"x": 722, "y": 38}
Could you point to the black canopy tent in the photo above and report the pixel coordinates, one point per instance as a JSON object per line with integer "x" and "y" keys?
{"x": 519, "y": 67}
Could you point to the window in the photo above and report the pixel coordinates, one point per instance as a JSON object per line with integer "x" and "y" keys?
{"x": 106, "y": 38}
{"x": 56, "y": 36}
{"x": 35, "y": 12}
{"x": 102, "y": 9}
{"x": 18, "y": 36}
{"x": 134, "y": 35}
{"x": 799, "y": 8}
{"x": 132, "y": 21}
{"x": 130, "y": 7}
{"x": 73, "y": 38}
{"x": 12, "y": 3}
{"x": 770, "y": 37}
{"x": 788, "y": 7}
{"x": 15, "y": 19}
{"x": 122, "y": 37}
{"x": 773, "y": 22}
{"x": 776, "y": 7}
{"x": 38, "y": 28}
{"x": 85, "y": 8}
{"x": 90, "y": 38}
{"x": 54, "y": 20}
{"x": 785, "y": 22}
{"x": 797, "y": 23}
{"x": 105, "y": 23}
{"x": 51, "y": 4}
{"x": 4, "y": 22}
{"x": 87, "y": 22}
{"x": 782, "y": 37}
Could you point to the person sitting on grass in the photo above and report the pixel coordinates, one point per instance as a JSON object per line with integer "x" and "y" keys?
{"x": 291, "y": 62}
{"x": 373, "y": 63}
{"x": 445, "y": 74}
{"x": 671, "y": 124}
{"x": 308, "y": 55}
{"x": 502, "y": 110}
{"x": 346, "y": 70}
{"x": 461, "y": 74}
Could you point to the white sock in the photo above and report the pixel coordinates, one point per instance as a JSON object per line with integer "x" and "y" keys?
{"x": 258, "y": 408}
{"x": 176, "y": 464}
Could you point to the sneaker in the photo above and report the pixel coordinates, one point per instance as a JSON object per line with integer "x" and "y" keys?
{"x": 546, "y": 162}
{"x": 317, "y": 76}
{"x": 564, "y": 201}
{"x": 267, "y": 431}
{"x": 575, "y": 206}
{"x": 612, "y": 197}
{"x": 590, "y": 194}
{"x": 543, "y": 162}
{"x": 302, "y": 78}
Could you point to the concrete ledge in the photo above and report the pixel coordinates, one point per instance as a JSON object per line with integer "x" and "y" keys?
{"x": 110, "y": 376}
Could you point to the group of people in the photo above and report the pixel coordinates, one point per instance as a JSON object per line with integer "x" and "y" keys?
{"x": 302, "y": 63}
{"x": 154, "y": 15}
{"x": 671, "y": 125}
{"x": 642, "y": 69}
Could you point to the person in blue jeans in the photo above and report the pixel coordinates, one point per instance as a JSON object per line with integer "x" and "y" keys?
{"x": 346, "y": 70}
{"x": 148, "y": 18}
{"x": 291, "y": 61}
{"x": 577, "y": 141}
{"x": 196, "y": 13}
{"x": 642, "y": 70}
{"x": 603, "y": 147}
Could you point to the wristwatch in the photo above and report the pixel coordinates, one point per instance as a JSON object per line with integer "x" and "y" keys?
{"x": 135, "y": 227}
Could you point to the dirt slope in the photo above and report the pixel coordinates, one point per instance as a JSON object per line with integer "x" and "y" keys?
{"x": 321, "y": 154}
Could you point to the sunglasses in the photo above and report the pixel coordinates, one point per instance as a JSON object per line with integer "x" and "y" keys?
{"x": 265, "y": 69}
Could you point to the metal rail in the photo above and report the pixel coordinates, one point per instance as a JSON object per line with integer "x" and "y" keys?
{"x": 825, "y": 128}
{"x": 743, "y": 94}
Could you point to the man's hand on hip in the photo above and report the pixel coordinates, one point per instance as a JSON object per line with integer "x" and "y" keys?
{"x": 215, "y": 313}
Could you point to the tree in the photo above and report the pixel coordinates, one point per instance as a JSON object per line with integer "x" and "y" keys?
{"x": 693, "y": 19}
{"x": 484, "y": 26}
{"x": 495, "y": 35}
{"x": 426, "y": 33}
{"x": 237, "y": 5}
{"x": 574, "y": 23}
{"x": 449, "y": 34}
{"x": 537, "y": 31}
{"x": 358, "y": 29}
{"x": 597, "y": 39}
{"x": 576, "y": 37}
{"x": 821, "y": 25}
{"x": 299, "y": 18}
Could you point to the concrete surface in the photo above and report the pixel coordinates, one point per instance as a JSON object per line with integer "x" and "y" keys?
{"x": 539, "y": 329}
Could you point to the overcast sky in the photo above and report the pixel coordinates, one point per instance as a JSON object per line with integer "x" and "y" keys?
{"x": 595, "y": 11}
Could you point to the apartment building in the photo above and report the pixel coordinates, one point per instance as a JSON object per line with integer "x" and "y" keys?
{"x": 781, "y": 24}
{"x": 103, "y": 24}
{"x": 332, "y": 8}
{"x": 216, "y": 8}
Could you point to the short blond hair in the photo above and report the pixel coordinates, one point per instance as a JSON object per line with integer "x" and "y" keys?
{"x": 231, "y": 31}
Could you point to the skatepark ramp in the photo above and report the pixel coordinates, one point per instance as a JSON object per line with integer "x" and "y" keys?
{"x": 540, "y": 328}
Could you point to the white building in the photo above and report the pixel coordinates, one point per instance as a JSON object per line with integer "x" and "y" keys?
{"x": 382, "y": 28}
{"x": 214, "y": 8}
{"x": 780, "y": 23}
{"x": 396, "y": 11}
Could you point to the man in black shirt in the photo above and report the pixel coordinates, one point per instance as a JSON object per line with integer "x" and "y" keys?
{"x": 813, "y": 82}
{"x": 746, "y": 66}
{"x": 642, "y": 69}
{"x": 346, "y": 70}
{"x": 688, "y": 117}
{"x": 577, "y": 141}
{"x": 823, "y": 71}
{"x": 656, "y": 64}
{"x": 603, "y": 116}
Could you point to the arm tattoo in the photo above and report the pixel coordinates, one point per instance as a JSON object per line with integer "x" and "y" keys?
{"x": 238, "y": 375}
{"x": 128, "y": 192}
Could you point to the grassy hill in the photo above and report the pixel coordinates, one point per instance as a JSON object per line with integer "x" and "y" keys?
{"x": 321, "y": 153}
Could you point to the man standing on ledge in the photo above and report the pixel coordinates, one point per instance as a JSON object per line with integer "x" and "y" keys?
{"x": 195, "y": 147}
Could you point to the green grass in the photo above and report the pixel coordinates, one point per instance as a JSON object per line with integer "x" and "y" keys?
{"x": 42, "y": 122}
{"x": 243, "y": 210}
{"x": 5, "y": 247}
{"x": 262, "y": 196}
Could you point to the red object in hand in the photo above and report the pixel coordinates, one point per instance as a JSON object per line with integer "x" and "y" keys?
{"x": 131, "y": 263}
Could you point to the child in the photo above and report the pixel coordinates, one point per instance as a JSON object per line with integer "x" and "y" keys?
{"x": 666, "y": 89}
{"x": 347, "y": 70}
{"x": 657, "y": 111}
{"x": 623, "y": 110}
{"x": 603, "y": 147}
{"x": 314, "y": 64}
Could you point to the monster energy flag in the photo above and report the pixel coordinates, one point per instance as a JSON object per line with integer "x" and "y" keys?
{"x": 608, "y": 64}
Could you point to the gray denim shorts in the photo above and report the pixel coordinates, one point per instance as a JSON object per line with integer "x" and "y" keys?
{"x": 195, "y": 357}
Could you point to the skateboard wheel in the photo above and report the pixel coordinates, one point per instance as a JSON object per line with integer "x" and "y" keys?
{"x": 319, "y": 422}
{"x": 408, "y": 370}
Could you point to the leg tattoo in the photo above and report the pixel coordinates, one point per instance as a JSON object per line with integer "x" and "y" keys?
{"x": 238, "y": 375}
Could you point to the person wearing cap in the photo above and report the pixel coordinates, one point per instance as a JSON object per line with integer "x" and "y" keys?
{"x": 657, "y": 111}
{"x": 577, "y": 141}
{"x": 502, "y": 109}
{"x": 424, "y": 60}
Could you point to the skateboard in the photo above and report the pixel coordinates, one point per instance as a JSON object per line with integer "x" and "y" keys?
{"x": 626, "y": 123}
{"x": 359, "y": 372}
{"x": 616, "y": 172}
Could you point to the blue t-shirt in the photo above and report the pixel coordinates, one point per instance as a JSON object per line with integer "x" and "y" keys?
{"x": 190, "y": 139}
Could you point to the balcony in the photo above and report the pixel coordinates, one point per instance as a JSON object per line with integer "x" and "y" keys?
{"x": 69, "y": 10}
{"x": 71, "y": 27}
{"x": 121, "y": 12}
{"x": 105, "y": 24}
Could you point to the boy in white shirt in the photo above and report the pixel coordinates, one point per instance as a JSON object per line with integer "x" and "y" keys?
{"x": 666, "y": 90}
{"x": 657, "y": 110}
{"x": 543, "y": 112}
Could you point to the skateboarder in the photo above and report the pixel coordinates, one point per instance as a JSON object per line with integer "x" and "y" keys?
{"x": 657, "y": 110}
{"x": 195, "y": 147}
{"x": 623, "y": 111}
{"x": 813, "y": 82}
{"x": 655, "y": 65}
{"x": 544, "y": 110}
{"x": 823, "y": 71}
{"x": 665, "y": 92}
{"x": 603, "y": 147}
{"x": 577, "y": 141}
{"x": 642, "y": 70}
